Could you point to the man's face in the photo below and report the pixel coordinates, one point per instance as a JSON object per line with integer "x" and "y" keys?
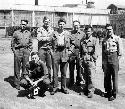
{"x": 23, "y": 24}
{"x": 88, "y": 32}
{"x": 46, "y": 22}
{"x": 61, "y": 25}
{"x": 109, "y": 30}
{"x": 76, "y": 26}
{"x": 35, "y": 58}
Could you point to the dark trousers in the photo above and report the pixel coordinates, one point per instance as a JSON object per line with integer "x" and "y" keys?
{"x": 111, "y": 78}
{"x": 46, "y": 57}
{"x": 21, "y": 57}
{"x": 72, "y": 62}
{"x": 43, "y": 85}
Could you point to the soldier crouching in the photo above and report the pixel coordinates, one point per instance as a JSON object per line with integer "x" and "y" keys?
{"x": 35, "y": 78}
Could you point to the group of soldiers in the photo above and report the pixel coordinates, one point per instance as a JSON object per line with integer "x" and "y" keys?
{"x": 58, "y": 48}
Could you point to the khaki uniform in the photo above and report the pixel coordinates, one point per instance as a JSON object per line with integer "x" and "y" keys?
{"x": 21, "y": 45}
{"x": 44, "y": 46}
{"x": 74, "y": 56}
{"x": 89, "y": 53}
{"x": 111, "y": 49}
{"x": 60, "y": 56}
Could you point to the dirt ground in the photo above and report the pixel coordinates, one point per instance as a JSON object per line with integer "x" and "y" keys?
{"x": 10, "y": 98}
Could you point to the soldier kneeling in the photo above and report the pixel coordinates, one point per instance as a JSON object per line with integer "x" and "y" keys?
{"x": 35, "y": 77}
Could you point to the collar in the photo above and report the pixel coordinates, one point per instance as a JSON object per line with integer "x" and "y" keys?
{"x": 90, "y": 39}
{"x": 78, "y": 32}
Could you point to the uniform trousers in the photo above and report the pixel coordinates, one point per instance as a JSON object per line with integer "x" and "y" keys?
{"x": 111, "y": 74}
{"x": 58, "y": 60}
{"x": 45, "y": 56}
{"x": 21, "y": 57}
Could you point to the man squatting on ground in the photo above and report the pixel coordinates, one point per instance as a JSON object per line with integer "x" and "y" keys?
{"x": 21, "y": 45}
{"x": 112, "y": 50}
{"x": 35, "y": 76}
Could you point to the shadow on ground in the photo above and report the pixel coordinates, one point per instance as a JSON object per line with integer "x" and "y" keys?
{"x": 10, "y": 80}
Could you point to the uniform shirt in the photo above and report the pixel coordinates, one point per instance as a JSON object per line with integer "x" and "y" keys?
{"x": 36, "y": 70}
{"x": 110, "y": 45}
{"x": 75, "y": 41}
{"x": 89, "y": 48}
{"x": 44, "y": 36}
{"x": 61, "y": 44}
{"x": 21, "y": 39}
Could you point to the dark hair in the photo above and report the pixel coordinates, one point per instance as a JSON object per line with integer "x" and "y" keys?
{"x": 25, "y": 21}
{"x": 76, "y": 21}
{"x": 45, "y": 18}
{"x": 107, "y": 25}
{"x": 34, "y": 53}
{"x": 87, "y": 27}
{"x": 62, "y": 20}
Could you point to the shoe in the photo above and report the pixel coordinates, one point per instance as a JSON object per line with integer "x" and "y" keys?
{"x": 81, "y": 93}
{"x": 111, "y": 98}
{"x": 54, "y": 91}
{"x": 106, "y": 95}
{"x": 17, "y": 87}
{"x": 30, "y": 96}
{"x": 64, "y": 91}
{"x": 114, "y": 95}
{"x": 90, "y": 95}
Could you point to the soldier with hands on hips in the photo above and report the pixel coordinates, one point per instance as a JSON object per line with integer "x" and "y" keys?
{"x": 21, "y": 45}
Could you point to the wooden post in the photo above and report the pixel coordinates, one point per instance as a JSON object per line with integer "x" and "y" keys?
{"x": 33, "y": 19}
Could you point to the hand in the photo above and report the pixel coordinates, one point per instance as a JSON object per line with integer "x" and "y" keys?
{"x": 35, "y": 83}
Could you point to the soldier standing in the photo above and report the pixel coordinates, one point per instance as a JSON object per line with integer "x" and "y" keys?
{"x": 89, "y": 52}
{"x": 111, "y": 52}
{"x": 44, "y": 43}
{"x": 21, "y": 46}
{"x": 76, "y": 36}
{"x": 60, "y": 55}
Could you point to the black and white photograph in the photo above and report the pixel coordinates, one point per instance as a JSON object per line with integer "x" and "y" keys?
{"x": 62, "y": 54}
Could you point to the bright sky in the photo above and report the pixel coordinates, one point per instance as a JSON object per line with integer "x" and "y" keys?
{"x": 102, "y": 4}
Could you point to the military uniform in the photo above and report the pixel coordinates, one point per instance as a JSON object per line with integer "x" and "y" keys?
{"x": 74, "y": 56}
{"x": 60, "y": 56}
{"x": 89, "y": 52}
{"x": 21, "y": 45}
{"x": 35, "y": 71}
{"x": 44, "y": 46}
{"x": 111, "y": 49}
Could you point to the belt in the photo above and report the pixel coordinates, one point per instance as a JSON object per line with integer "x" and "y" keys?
{"x": 20, "y": 47}
{"x": 45, "y": 48}
{"x": 110, "y": 51}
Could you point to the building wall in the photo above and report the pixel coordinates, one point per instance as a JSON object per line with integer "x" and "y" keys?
{"x": 21, "y": 15}
{"x": 5, "y": 18}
